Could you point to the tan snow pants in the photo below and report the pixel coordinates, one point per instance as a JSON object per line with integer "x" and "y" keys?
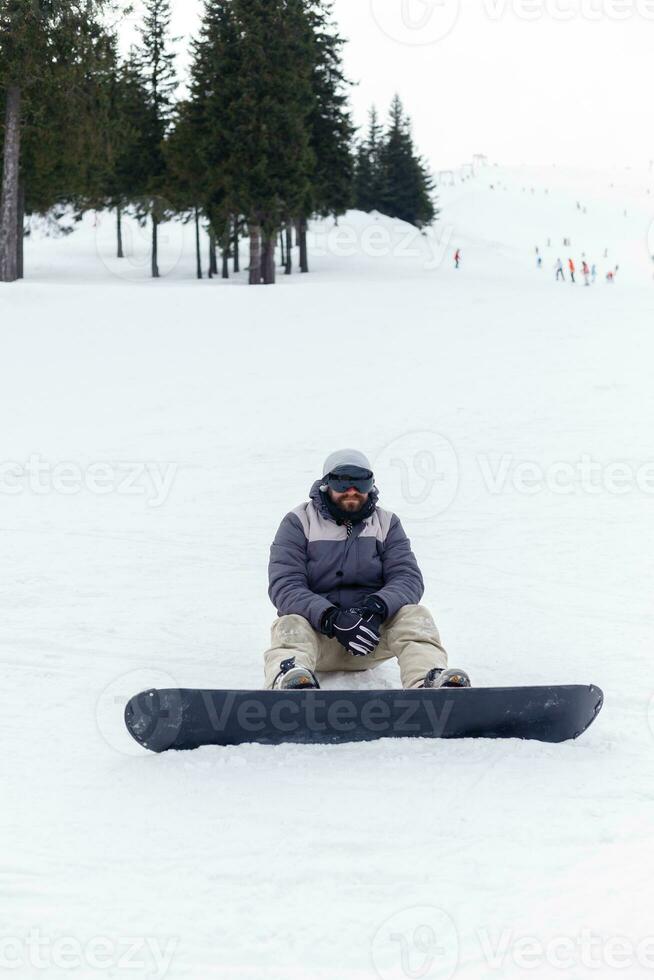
{"x": 411, "y": 636}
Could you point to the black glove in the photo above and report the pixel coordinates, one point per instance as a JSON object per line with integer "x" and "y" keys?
{"x": 374, "y": 604}
{"x": 356, "y": 630}
{"x": 327, "y": 620}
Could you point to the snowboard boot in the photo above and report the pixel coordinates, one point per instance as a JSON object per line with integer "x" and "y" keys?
{"x": 292, "y": 678}
{"x": 446, "y": 678}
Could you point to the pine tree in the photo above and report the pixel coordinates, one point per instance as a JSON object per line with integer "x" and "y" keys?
{"x": 407, "y": 185}
{"x": 156, "y": 61}
{"x": 330, "y": 124}
{"x": 369, "y": 177}
{"x": 52, "y": 56}
{"x": 185, "y": 183}
{"x": 271, "y": 161}
{"x": 127, "y": 129}
{"x": 215, "y": 84}
{"x": 23, "y": 47}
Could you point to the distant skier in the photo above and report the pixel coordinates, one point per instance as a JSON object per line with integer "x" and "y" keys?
{"x": 571, "y": 267}
{"x": 559, "y": 271}
{"x": 593, "y": 272}
{"x": 586, "y": 273}
{"x": 347, "y": 588}
{"x": 539, "y": 258}
{"x": 457, "y": 258}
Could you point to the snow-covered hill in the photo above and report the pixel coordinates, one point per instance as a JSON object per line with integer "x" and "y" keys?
{"x": 156, "y": 433}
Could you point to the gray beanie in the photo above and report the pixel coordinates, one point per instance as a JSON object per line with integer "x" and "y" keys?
{"x": 346, "y": 457}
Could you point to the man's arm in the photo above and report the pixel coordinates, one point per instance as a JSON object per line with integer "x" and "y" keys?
{"x": 287, "y": 575}
{"x": 403, "y": 584}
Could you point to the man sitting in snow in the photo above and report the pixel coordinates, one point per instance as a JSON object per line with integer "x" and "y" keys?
{"x": 347, "y": 586}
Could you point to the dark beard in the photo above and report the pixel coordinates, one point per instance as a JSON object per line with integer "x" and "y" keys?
{"x": 344, "y": 516}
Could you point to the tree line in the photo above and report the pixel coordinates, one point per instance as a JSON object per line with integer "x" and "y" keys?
{"x": 261, "y": 142}
{"x": 389, "y": 175}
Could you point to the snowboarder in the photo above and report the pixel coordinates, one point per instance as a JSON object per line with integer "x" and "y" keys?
{"x": 347, "y": 588}
{"x": 559, "y": 271}
{"x": 457, "y": 258}
{"x": 571, "y": 266}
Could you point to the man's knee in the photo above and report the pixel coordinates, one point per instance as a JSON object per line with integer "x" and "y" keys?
{"x": 411, "y": 609}
{"x": 412, "y": 623}
{"x": 416, "y": 615}
{"x": 291, "y": 628}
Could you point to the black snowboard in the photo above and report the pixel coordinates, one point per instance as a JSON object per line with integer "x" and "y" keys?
{"x": 187, "y": 719}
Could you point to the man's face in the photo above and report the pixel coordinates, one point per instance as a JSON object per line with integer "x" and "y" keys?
{"x": 350, "y": 501}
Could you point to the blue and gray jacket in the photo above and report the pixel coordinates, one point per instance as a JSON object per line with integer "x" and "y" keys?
{"x": 317, "y": 563}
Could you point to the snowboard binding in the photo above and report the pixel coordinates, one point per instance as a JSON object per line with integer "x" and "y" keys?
{"x": 437, "y": 677}
{"x": 293, "y": 678}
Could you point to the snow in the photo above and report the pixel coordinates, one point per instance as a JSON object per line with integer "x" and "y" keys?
{"x": 388, "y": 859}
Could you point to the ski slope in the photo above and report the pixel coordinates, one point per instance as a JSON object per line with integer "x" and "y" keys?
{"x": 155, "y": 433}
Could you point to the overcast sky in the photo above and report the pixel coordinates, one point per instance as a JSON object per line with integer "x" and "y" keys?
{"x": 534, "y": 81}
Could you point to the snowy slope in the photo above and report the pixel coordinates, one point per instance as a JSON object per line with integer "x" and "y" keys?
{"x": 510, "y": 420}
